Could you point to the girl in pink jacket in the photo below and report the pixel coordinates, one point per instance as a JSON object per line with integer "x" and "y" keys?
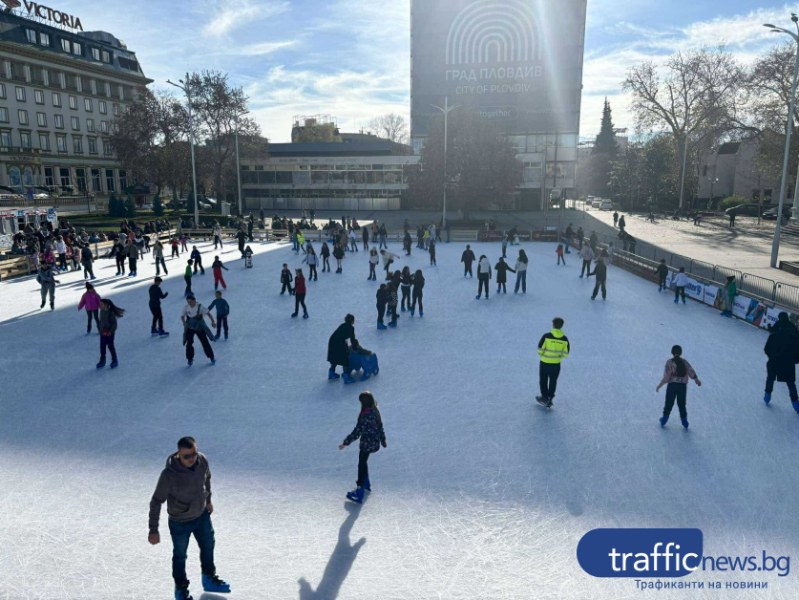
{"x": 91, "y": 301}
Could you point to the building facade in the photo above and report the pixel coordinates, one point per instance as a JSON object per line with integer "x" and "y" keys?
{"x": 732, "y": 169}
{"x": 60, "y": 89}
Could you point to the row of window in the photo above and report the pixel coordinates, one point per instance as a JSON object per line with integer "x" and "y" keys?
{"x": 69, "y": 46}
{"x": 321, "y": 167}
{"x": 289, "y": 193}
{"x": 43, "y": 76}
{"x": 83, "y": 179}
{"x": 26, "y": 141}
{"x": 58, "y": 121}
{"x": 322, "y": 177}
{"x": 38, "y": 98}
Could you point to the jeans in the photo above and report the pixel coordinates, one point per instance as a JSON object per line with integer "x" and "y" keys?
{"x": 521, "y": 279}
{"x": 107, "y": 342}
{"x": 417, "y": 297}
{"x": 372, "y": 274}
{"x": 312, "y": 273}
{"x": 381, "y": 312}
{"x": 406, "y": 297}
{"x": 88, "y": 271}
{"x": 548, "y": 378}
{"x": 679, "y": 291}
{"x": 363, "y": 468}
{"x": 203, "y": 532}
{"x": 198, "y": 263}
{"x": 467, "y": 269}
{"x": 221, "y": 323}
{"x": 92, "y": 314}
{"x": 299, "y": 299}
{"x": 600, "y": 283}
{"x": 187, "y": 279}
{"x": 676, "y": 391}
{"x": 482, "y": 282}
{"x": 586, "y": 268}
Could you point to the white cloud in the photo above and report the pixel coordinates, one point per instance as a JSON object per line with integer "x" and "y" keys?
{"x": 232, "y": 15}
{"x": 263, "y": 48}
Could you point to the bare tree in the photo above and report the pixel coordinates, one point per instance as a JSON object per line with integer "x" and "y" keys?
{"x": 391, "y": 127}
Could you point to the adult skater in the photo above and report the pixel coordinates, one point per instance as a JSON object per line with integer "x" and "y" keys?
{"x": 781, "y": 349}
{"x": 553, "y": 347}
{"x": 406, "y": 243}
{"x": 338, "y": 350}
{"x": 91, "y": 300}
{"x": 311, "y": 259}
{"x": 109, "y": 313}
{"x": 324, "y": 253}
{"x": 417, "y": 293}
{"x": 467, "y": 258}
{"x": 365, "y": 237}
{"x": 338, "y": 254}
{"x": 521, "y": 272}
{"x": 393, "y": 286}
{"x": 587, "y": 254}
{"x": 285, "y": 280}
{"x": 217, "y": 235}
{"x": 373, "y": 260}
{"x": 615, "y": 218}
{"x": 86, "y": 259}
{"x": 241, "y": 236}
{"x": 193, "y": 316}
{"x": 501, "y": 269}
{"x": 216, "y": 268}
{"x": 405, "y": 288}
{"x": 676, "y": 375}
{"x": 662, "y": 272}
{"x": 432, "y": 250}
{"x": 299, "y": 294}
{"x": 680, "y": 283}
{"x": 601, "y": 272}
{"x": 47, "y": 281}
{"x": 382, "y": 301}
{"x": 133, "y": 256}
{"x": 388, "y": 260}
{"x": 483, "y": 276}
{"x": 185, "y": 485}
{"x": 197, "y": 257}
{"x": 158, "y": 256}
{"x": 156, "y": 295}
{"x": 222, "y": 311}
{"x": 187, "y": 275}
{"x": 369, "y": 429}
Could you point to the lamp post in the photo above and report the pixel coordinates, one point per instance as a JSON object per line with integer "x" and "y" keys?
{"x": 446, "y": 110}
{"x": 713, "y": 181}
{"x": 775, "y": 245}
{"x": 184, "y": 86}
{"x": 684, "y": 160}
{"x": 238, "y": 167}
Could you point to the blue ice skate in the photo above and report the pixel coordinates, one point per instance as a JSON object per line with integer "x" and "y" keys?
{"x": 212, "y": 583}
{"x": 183, "y": 594}
{"x": 331, "y": 374}
{"x": 684, "y": 423}
{"x": 356, "y": 495}
{"x": 367, "y": 486}
{"x": 795, "y": 405}
{"x": 381, "y": 326}
{"x": 347, "y": 378}
{"x": 663, "y": 421}
{"x": 114, "y": 364}
{"x": 767, "y": 397}
{"x": 101, "y": 364}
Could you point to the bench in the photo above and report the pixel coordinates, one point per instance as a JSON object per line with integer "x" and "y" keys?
{"x": 13, "y": 267}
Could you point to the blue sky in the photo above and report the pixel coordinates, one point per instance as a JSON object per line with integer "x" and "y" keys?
{"x": 350, "y": 58}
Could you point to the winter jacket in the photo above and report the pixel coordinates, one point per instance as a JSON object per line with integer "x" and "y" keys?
{"x": 502, "y": 269}
{"x": 484, "y": 269}
{"x": 187, "y": 492}
{"x": 86, "y": 256}
{"x": 782, "y": 349}
{"x": 337, "y": 349}
{"x": 418, "y": 286}
{"x": 325, "y": 251}
{"x": 188, "y": 272}
{"x": 388, "y": 257}
{"x": 90, "y": 299}
{"x": 680, "y": 280}
{"x": 382, "y": 297}
{"x": 338, "y": 252}
{"x": 553, "y": 347}
{"x": 46, "y": 277}
{"x": 222, "y": 307}
{"x": 370, "y": 431}
{"x": 662, "y": 271}
{"x": 670, "y": 373}
{"x": 156, "y": 295}
{"x": 108, "y": 322}
{"x": 467, "y": 257}
{"x": 374, "y": 258}
{"x": 587, "y": 253}
{"x": 218, "y": 266}
{"x": 311, "y": 259}
{"x": 285, "y": 276}
{"x": 521, "y": 266}
{"x": 600, "y": 270}
{"x": 299, "y": 284}
{"x": 195, "y": 255}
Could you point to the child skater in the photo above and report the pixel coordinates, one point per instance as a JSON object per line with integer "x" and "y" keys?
{"x": 324, "y": 253}
{"x": 676, "y": 375}
{"x": 90, "y": 300}
{"x": 416, "y": 295}
{"x": 286, "y": 279}
{"x": 370, "y": 431}
{"x": 217, "y": 267}
{"x": 222, "y": 312}
{"x": 312, "y": 260}
{"x": 248, "y": 258}
{"x": 559, "y": 252}
{"x": 109, "y": 313}
{"x": 299, "y": 294}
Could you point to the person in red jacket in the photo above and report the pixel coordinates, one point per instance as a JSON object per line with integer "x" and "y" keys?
{"x": 299, "y": 294}
{"x": 91, "y": 300}
{"x": 217, "y": 267}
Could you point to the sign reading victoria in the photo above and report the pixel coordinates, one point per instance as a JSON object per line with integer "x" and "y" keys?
{"x": 516, "y": 62}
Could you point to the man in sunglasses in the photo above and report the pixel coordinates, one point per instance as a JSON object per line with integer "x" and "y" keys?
{"x": 185, "y": 484}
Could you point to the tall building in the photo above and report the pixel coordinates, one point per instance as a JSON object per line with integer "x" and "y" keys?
{"x": 60, "y": 89}
{"x": 515, "y": 63}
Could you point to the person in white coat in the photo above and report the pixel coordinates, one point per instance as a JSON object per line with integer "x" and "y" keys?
{"x": 680, "y": 283}
{"x": 587, "y": 254}
{"x": 521, "y": 272}
{"x": 483, "y": 275}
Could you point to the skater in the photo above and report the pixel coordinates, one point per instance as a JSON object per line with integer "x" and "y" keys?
{"x": 406, "y": 243}
{"x": 601, "y": 272}
{"x": 622, "y": 223}
{"x": 217, "y": 235}
{"x": 193, "y": 318}
{"x": 325, "y": 254}
{"x": 241, "y": 236}
{"x": 156, "y": 295}
{"x": 553, "y": 348}
{"x": 185, "y": 486}
{"x": 91, "y": 300}
{"x": 365, "y": 237}
{"x": 781, "y": 349}
{"x": 383, "y": 232}
{"x": 338, "y": 254}
{"x": 109, "y": 313}
{"x": 133, "y": 256}
{"x": 432, "y": 250}
{"x": 217, "y": 267}
{"x": 392, "y": 302}
{"x": 559, "y": 253}
{"x": 175, "y": 251}
{"x": 483, "y": 275}
{"x": 416, "y": 295}
{"x": 338, "y": 350}
{"x": 521, "y": 272}
{"x": 467, "y": 258}
{"x": 587, "y": 254}
{"x": 198, "y": 260}
{"x": 567, "y": 239}
{"x": 680, "y": 283}
{"x": 47, "y": 280}
{"x": 184, "y": 242}
{"x": 222, "y": 311}
{"x": 312, "y": 260}
{"x": 248, "y": 257}
{"x": 388, "y": 260}
{"x": 299, "y": 294}
{"x": 285, "y": 280}
{"x": 158, "y": 257}
{"x": 364, "y": 360}
{"x": 373, "y": 260}
{"x": 187, "y": 275}
{"x": 504, "y": 245}
{"x": 382, "y": 301}
{"x": 405, "y": 288}
{"x": 370, "y": 431}
{"x": 729, "y": 291}
{"x": 676, "y": 375}
{"x": 353, "y": 241}
{"x": 86, "y": 259}
{"x": 662, "y": 272}
{"x": 501, "y": 269}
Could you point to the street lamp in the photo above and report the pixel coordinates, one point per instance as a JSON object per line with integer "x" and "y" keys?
{"x": 238, "y": 167}
{"x": 446, "y": 110}
{"x": 775, "y": 246}
{"x": 184, "y": 86}
{"x": 713, "y": 181}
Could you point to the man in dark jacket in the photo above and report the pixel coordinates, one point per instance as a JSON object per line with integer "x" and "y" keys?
{"x": 467, "y": 258}
{"x": 338, "y": 351}
{"x": 156, "y": 295}
{"x": 185, "y": 485}
{"x": 782, "y": 349}
{"x": 601, "y": 272}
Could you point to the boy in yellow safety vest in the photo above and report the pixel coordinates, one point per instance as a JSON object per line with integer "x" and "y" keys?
{"x": 552, "y": 348}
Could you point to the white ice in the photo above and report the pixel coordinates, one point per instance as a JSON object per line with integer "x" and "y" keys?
{"x": 481, "y": 493}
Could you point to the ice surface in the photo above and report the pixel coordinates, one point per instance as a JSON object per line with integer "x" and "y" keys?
{"x": 481, "y": 493}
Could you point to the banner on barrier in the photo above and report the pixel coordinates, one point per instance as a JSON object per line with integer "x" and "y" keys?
{"x": 713, "y": 296}
{"x": 771, "y": 316}
{"x": 755, "y": 312}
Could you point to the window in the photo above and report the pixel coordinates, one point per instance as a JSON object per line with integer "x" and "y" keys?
{"x": 65, "y": 45}
{"x": 115, "y": 109}
{"x": 87, "y": 104}
{"x": 123, "y": 180}
{"x": 5, "y": 138}
{"x": 109, "y": 180}
{"x": 73, "y": 102}
{"x": 77, "y": 144}
{"x": 107, "y": 149}
{"x": 103, "y": 107}
{"x": 44, "y": 142}
{"x": 96, "y": 53}
{"x": 22, "y": 115}
{"x": 38, "y": 96}
{"x": 80, "y": 179}
{"x": 48, "y": 177}
{"x": 106, "y": 56}
{"x": 25, "y": 139}
{"x": 77, "y": 49}
{"x": 31, "y": 35}
{"x": 20, "y": 94}
{"x": 61, "y": 143}
{"x": 104, "y": 126}
{"x": 3, "y": 114}
{"x": 41, "y": 119}
{"x": 65, "y": 178}
{"x": 57, "y": 99}
{"x": 59, "y": 121}
{"x": 89, "y": 125}
{"x": 92, "y": 145}
{"x": 2, "y": 90}
{"x": 75, "y": 122}
{"x": 44, "y": 39}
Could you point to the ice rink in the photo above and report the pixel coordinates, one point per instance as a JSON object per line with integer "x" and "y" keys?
{"x": 481, "y": 493}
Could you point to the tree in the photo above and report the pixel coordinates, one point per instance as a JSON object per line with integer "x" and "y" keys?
{"x": 158, "y": 206}
{"x": 391, "y": 127}
{"x": 130, "y": 207}
{"x": 116, "y": 208}
{"x": 603, "y": 153}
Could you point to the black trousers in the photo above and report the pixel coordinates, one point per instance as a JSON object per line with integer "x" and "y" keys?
{"x": 406, "y": 296}
{"x": 586, "y": 268}
{"x": 417, "y": 297}
{"x": 381, "y": 311}
{"x": 198, "y": 262}
{"x": 286, "y": 286}
{"x": 132, "y": 264}
{"x": 88, "y": 271}
{"x": 372, "y": 274}
{"x": 772, "y": 376}
{"x": 501, "y": 286}
{"x": 107, "y": 343}
{"x": 482, "y": 282}
{"x": 299, "y": 299}
{"x": 120, "y": 263}
{"x": 203, "y": 337}
{"x": 467, "y": 269}
{"x": 158, "y": 318}
{"x": 325, "y": 264}
{"x": 312, "y": 272}
{"x": 599, "y": 284}
{"x": 548, "y": 378}
{"x": 187, "y": 279}
{"x": 221, "y": 323}
{"x": 676, "y": 391}
{"x": 92, "y": 314}
{"x": 363, "y": 468}
{"x": 159, "y": 263}
{"x": 392, "y": 311}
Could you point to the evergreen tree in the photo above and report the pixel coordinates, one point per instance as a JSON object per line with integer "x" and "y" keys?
{"x": 605, "y": 142}
{"x": 130, "y": 207}
{"x": 602, "y": 156}
{"x": 158, "y": 206}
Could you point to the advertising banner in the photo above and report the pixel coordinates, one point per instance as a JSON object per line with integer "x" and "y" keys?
{"x": 771, "y": 316}
{"x": 750, "y": 310}
{"x": 713, "y": 296}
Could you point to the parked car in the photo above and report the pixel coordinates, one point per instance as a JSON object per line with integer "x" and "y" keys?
{"x": 771, "y": 214}
{"x": 745, "y": 210}
{"x": 596, "y": 202}
{"x": 606, "y": 205}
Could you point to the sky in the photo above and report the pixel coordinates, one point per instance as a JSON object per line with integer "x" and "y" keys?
{"x": 351, "y": 58}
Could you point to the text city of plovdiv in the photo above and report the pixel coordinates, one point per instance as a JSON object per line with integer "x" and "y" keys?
{"x": 495, "y": 73}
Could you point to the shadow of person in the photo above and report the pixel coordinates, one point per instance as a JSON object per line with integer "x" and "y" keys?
{"x": 340, "y": 561}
